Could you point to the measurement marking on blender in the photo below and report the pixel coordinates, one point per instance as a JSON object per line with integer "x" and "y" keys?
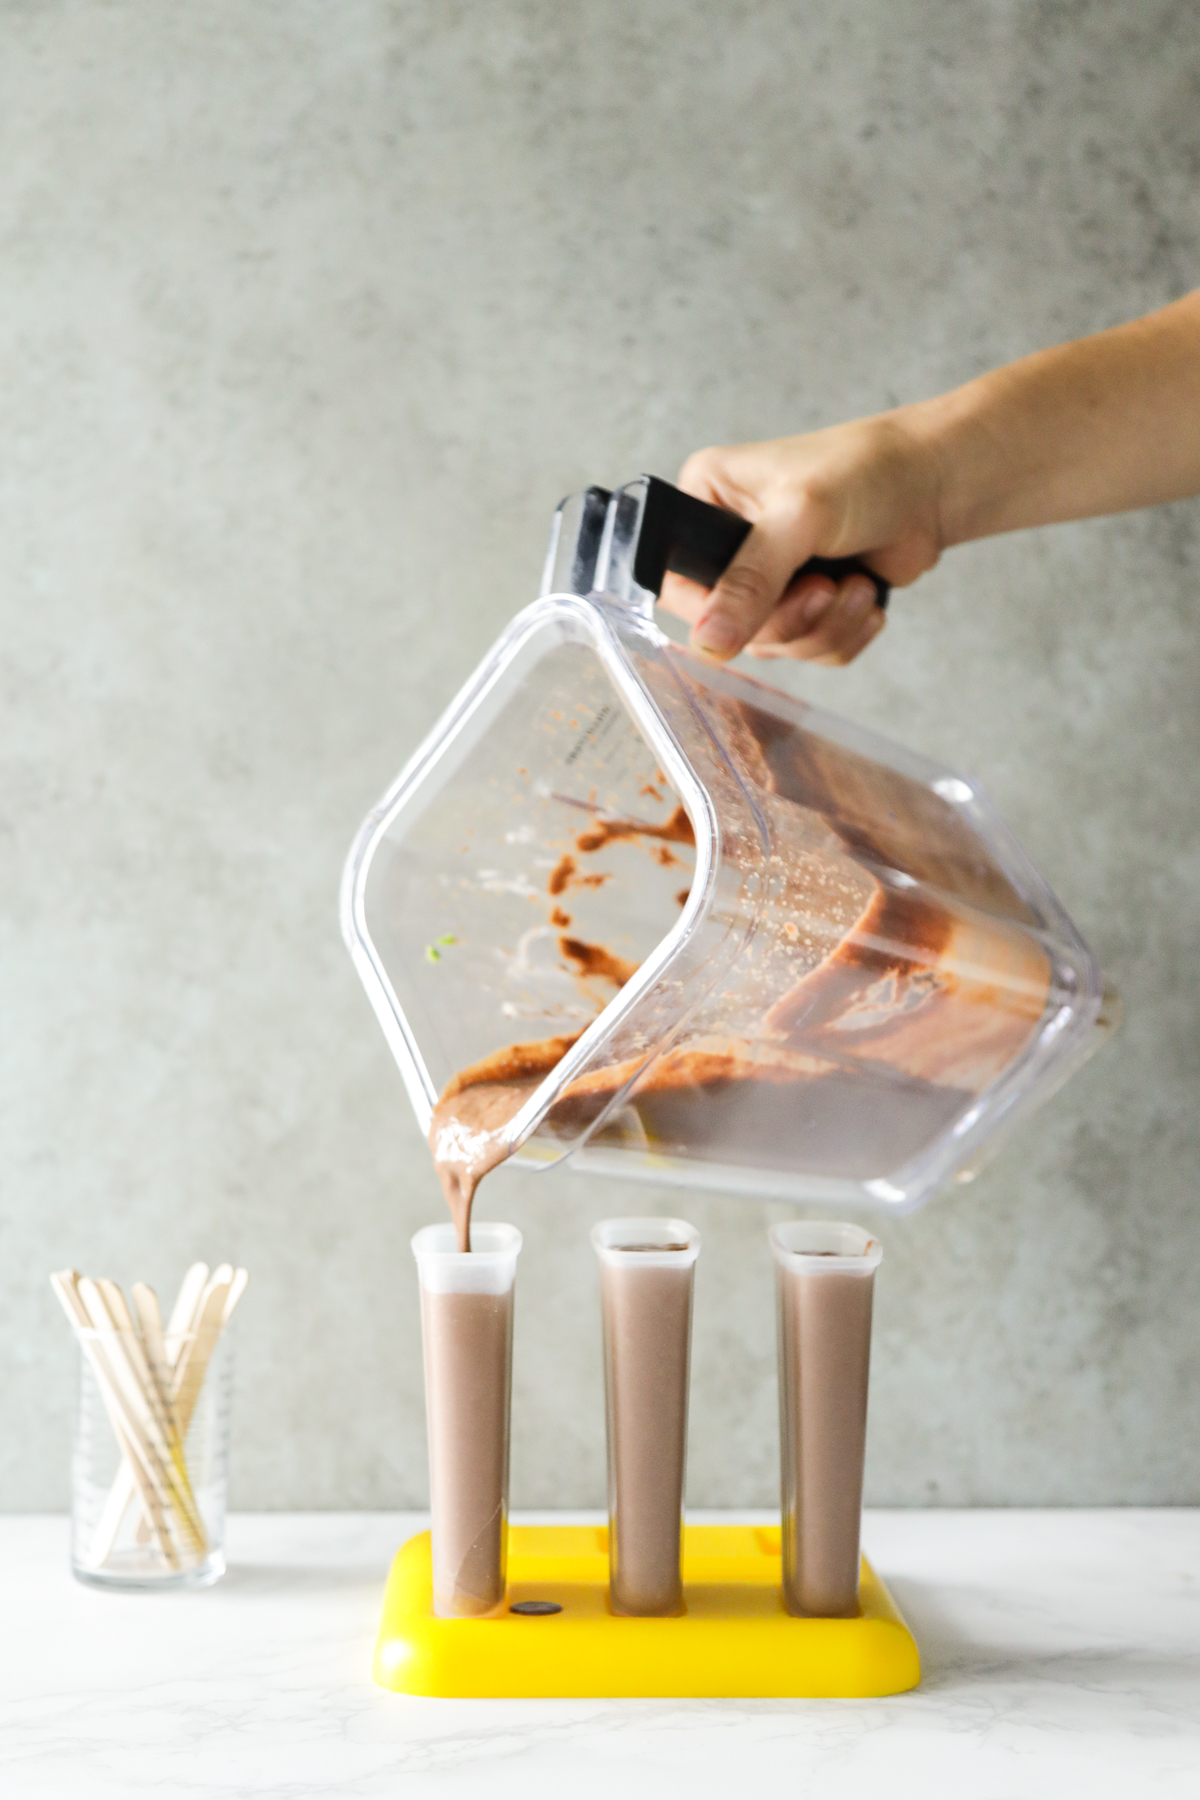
{"x": 605, "y": 719}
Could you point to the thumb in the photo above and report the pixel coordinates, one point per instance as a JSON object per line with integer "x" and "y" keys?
{"x": 750, "y": 589}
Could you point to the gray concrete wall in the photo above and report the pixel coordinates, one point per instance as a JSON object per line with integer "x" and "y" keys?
{"x": 308, "y": 315}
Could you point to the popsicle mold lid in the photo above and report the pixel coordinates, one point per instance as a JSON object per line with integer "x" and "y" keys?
{"x": 646, "y": 1242}
{"x": 821, "y": 1246}
{"x": 489, "y": 1267}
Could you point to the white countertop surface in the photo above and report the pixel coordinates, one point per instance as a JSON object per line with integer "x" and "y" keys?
{"x": 1061, "y": 1655}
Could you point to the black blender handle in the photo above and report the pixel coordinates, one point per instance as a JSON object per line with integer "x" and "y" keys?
{"x": 699, "y": 541}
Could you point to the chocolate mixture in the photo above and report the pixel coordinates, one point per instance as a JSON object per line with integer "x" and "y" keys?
{"x": 468, "y": 1356}
{"x": 824, "y": 1326}
{"x": 647, "y": 1317}
{"x": 866, "y": 1019}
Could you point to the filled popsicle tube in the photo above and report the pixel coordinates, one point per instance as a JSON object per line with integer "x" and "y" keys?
{"x": 647, "y": 1273}
{"x": 825, "y": 1279}
{"x": 466, "y": 1330}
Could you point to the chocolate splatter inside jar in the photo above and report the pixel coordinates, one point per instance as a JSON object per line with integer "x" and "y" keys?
{"x": 467, "y": 1136}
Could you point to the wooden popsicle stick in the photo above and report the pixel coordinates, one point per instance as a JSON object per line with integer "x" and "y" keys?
{"x": 129, "y": 1478}
{"x": 106, "y": 1308}
{"x": 88, "y": 1311}
{"x": 196, "y": 1347}
{"x": 127, "y": 1382}
{"x": 110, "y": 1316}
{"x": 180, "y": 1331}
{"x": 149, "y": 1318}
{"x": 135, "y": 1349}
{"x": 192, "y": 1365}
{"x": 183, "y": 1313}
{"x": 222, "y": 1276}
{"x": 187, "y": 1394}
{"x": 237, "y": 1288}
{"x": 180, "y": 1326}
{"x": 66, "y": 1284}
{"x": 206, "y": 1317}
{"x": 151, "y": 1371}
{"x": 157, "y": 1508}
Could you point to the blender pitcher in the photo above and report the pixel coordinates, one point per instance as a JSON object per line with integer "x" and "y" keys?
{"x": 743, "y": 943}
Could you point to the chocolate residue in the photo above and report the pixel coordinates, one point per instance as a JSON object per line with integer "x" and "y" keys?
{"x": 594, "y": 959}
{"x": 747, "y": 1102}
{"x": 560, "y": 875}
{"x": 560, "y": 918}
{"x": 565, "y": 875}
{"x": 666, "y": 857}
{"x": 683, "y": 896}
{"x": 675, "y": 830}
{"x": 881, "y": 816}
{"x": 515, "y": 1062}
{"x": 629, "y": 1249}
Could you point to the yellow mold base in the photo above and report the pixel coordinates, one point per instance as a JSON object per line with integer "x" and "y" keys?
{"x": 735, "y": 1640}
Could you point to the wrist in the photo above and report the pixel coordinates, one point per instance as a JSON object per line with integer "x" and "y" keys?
{"x": 947, "y": 432}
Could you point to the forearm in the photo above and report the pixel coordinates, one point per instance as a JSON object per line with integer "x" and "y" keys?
{"x": 1102, "y": 425}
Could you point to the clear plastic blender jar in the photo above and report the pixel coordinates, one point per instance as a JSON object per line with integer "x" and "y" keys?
{"x": 745, "y": 943}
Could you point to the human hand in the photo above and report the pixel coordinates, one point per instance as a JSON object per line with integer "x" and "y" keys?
{"x": 869, "y": 488}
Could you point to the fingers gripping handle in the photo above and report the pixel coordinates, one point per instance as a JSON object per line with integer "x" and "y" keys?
{"x": 624, "y": 543}
{"x": 699, "y": 541}
{"x": 838, "y": 567}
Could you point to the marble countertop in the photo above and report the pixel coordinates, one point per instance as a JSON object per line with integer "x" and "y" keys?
{"x": 1061, "y": 1656}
